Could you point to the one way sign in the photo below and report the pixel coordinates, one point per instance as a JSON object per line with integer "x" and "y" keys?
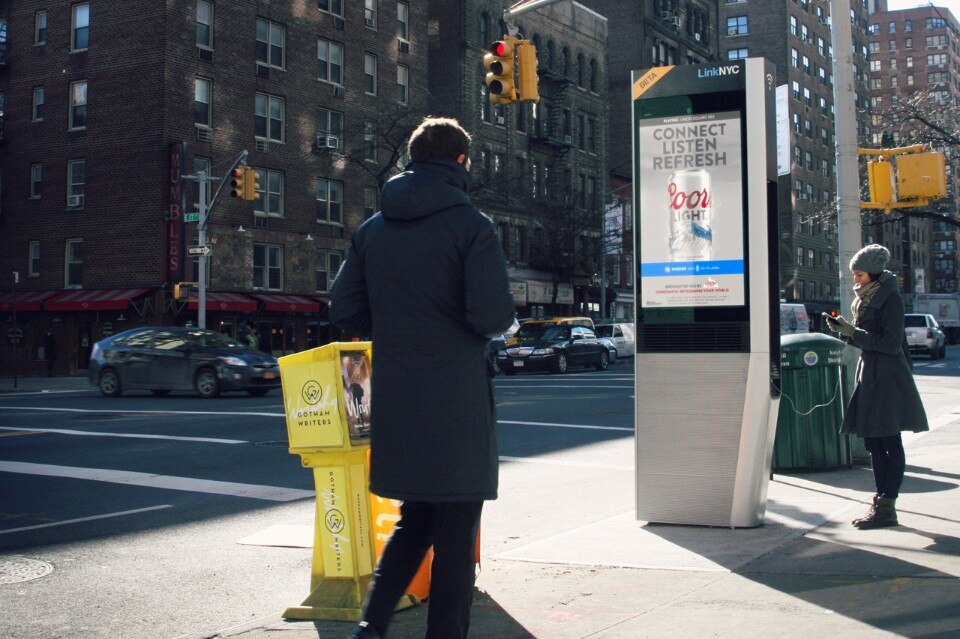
{"x": 198, "y": 250}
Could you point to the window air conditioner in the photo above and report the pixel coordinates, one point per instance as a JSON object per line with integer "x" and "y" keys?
{"x": 697, "y": 37}
{"x": 404, "y": 46}
{"x": 339, "y": 91}
{"x": 500, "y": 119}
{"x": 370, "y": 22}
{"x": 567, "y": 139}
{"x": 333, "y": 142}
{"x": 74, "y": 200}
{"x": 263, "y": 145}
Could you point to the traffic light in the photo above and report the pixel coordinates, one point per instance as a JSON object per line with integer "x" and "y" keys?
{"x": 238, "y": 182}
{"x": 181, "y": 291}
{"x": 527, "y": 79}
{"x": 881, "y": 182}
{"x": 501, "y": 67}
{"x": 250, "y": 184}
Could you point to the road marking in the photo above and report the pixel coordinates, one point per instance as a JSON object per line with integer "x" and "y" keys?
{"x": 144, "y": 412}
{"x": 164, "y": 482}
{"x": 87, "y": 433}
{"x": 568, "y": 386}
{"x": 81, "y": 519}
{"x": 552, "y": 462}
{"x": 553, "y": 425}
{"x": 43, "y": 392}
{"x": 18, "y": 432}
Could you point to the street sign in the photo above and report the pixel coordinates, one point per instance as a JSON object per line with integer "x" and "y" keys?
{"x": 191, "y": 217}
{"x": 198, "y": 250}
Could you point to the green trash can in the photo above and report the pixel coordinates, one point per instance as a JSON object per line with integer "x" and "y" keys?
{"x": 812, "y": 405}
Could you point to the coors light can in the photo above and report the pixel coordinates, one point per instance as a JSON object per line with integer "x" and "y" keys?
{"x": 691, "y": 212}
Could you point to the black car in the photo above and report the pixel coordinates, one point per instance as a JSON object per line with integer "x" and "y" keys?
{"x": 167, "y": 358}
{"x": 553, "y": 347}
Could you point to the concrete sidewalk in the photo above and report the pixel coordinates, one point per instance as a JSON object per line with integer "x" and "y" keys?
{"x": 807, "y": 573}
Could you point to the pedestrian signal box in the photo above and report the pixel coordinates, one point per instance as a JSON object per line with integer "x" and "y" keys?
{"x": 922, "y": 176}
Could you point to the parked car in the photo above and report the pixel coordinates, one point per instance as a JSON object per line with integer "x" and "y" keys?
{"x": 622, "y": 335}
{"x": 924, "y": 335}
{"x": 553, "y": 347}
{"x": 611, "y": 348}
{"x": 496, "y": 344}
{"x": 167, "y": 358}
{"x": 534, "y": 326}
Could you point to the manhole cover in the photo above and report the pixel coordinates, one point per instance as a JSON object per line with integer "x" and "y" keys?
{"x": 283, "y": 443}
{"x": 14, "y": 570}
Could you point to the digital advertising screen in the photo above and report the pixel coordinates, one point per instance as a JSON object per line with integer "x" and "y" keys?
{"x": 691, "y": 230}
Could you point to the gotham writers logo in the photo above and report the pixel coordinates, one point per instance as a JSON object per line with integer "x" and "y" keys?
{"x": 312, "y": 392}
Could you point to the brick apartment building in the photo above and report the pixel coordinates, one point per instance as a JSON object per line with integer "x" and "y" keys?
{"x": 538, "y": 172}
{"x": 795, "y": 35}
{"x": 107, "y": 104}
{"x": 915, "y": 70}
{"x": 643, "y": 35}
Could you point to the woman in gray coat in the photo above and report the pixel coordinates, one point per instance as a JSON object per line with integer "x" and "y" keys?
{"x": 885, "y": 400}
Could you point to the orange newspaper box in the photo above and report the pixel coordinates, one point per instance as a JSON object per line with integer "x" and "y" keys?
{"x": 326, "y": 400}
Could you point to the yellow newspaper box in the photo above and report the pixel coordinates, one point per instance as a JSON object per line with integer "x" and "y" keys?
{"x": 326, "y": 399}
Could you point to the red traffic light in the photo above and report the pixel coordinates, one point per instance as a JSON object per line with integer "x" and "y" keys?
{"x": 498, "y": 48}
{"x": 237, "y": 173}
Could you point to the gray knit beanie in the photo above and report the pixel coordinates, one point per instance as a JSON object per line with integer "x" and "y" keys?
{"x": 870, "y": 259}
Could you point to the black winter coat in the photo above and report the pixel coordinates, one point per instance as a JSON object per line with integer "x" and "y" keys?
{"x": 885, "y": 400}
{"x": 426, "y": 279}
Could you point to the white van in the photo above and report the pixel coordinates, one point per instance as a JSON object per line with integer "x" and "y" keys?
{"x": 793, "y": 319}
{"x": 622, "y": 335}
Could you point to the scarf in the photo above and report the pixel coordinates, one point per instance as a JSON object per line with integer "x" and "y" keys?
{"x": 865, "y": 294}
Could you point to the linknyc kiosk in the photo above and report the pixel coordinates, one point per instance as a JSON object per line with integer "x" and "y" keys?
{"x": 708, "y": 342}
{"x": 326, "y": 398}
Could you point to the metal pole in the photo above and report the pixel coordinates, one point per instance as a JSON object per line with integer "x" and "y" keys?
{"x": 202, "y": 262}
{"x": 16, "y": 340}
{"x": 845, "y": 126}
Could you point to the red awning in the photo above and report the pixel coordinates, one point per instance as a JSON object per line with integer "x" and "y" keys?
{"x": 26, "y": 300}
{"x": 287, "y": 303}
{"x": 83, "y": 300}
{"x": 217, "y": 301}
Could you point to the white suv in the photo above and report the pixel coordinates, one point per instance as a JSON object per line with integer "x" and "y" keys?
{"x": 924, "y": 335}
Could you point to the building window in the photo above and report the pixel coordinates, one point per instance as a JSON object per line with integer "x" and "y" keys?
{"x": 78, "y": 105}
{"x": 875, "y": 65}
{"x": 936, "y": 23}
{"x": 370, "y": 13}
{"x": 581, "y": 133}
{"x": 33, "y": 268}
{"x": 403, "y": 83}
{"x": 909, "y": 62}
{"x": 328, "y": 265}
{"x": 892, "y": 45}
{"x": 201, "y": 102}
{"x": 369, "y": 202}
{"x": 80, "y": 27}
{"x": 592, "y": 135}
{"x": 268, "y": 120}
{"x": 330, "y": 61}
{"x": 204, "y": 24}
{"x": 39, "y": 98}
{"x": 738, "y": 54}
{"x": 268, "y": 266}
{"x": 76, "y": 179}
{"x": 804, "y": 33}
{"x": 271, "y": 194}
{"x": 36, "y": 181}
{"x": 329, "y": 201}
{"x": 370, "y": 73}
{"x": 594, "y": 71}
{"x": 329, "y": 124}
{"x": 73, "y": 264}
{"x": 403, "y": 21}
{"x": 910, "y": 80}
{"x": 333, "y": 7}
{"x": 40, "y": 28}
{"x": 370, "y": 142}
{"x": 270, "y": 44}
{"x": 737, "y": 25}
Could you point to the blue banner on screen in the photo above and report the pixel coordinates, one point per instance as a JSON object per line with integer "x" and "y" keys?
{"x": 671, "y": 269}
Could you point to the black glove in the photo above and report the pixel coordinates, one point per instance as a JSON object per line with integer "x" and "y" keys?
{"x": 840, "y": 325}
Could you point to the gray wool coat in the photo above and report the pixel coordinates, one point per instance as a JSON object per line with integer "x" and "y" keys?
{"x": 885, "y": 400}
{"x": 426, "y": 279}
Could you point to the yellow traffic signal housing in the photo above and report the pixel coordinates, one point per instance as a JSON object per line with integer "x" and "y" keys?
{"x": 922, "y": 176}
{"x": 238, "y": 182}
{"x": 501, "y": 67}
{"x": 181, "y": 290}
{"x": 528, "y": 80}
{"x": 881, "y": 182}
{"x": 250, "y": 184}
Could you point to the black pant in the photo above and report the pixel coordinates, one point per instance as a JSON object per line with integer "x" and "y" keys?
{"x": 889, "y": 462}
{"x": 451, "y": 528}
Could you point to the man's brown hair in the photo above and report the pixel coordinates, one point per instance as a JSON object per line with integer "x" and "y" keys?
{"x": 438, "y": 138}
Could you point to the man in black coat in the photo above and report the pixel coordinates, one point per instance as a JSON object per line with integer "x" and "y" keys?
{"x": 426, "y": 279}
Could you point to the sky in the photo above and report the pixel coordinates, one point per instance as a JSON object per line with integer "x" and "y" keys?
{"x": 896, "y": 5}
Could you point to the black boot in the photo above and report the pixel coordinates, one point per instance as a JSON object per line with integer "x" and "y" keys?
{"x": 884, "y": 515}
{"x": 364, "y": 631}
{"x": 873, "y": 508}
